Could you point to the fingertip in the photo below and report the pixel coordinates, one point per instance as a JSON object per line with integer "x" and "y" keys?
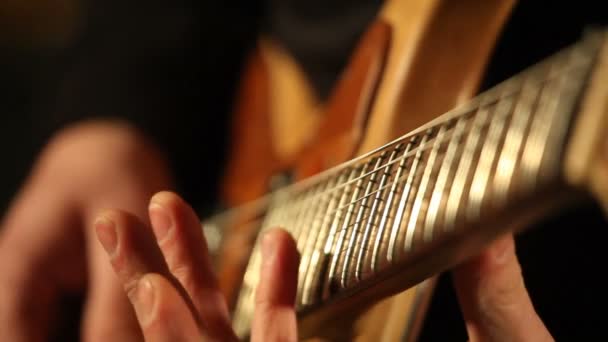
{"x": 175, "y": 208}
{"x": 168, "y": 200}
{"x": 277, "y": 241}
{"x": 274, "y": 317}
{"x": 106, "y": 230}
{"x": 115, "y": 217}
{"x": 280, "y": 260}
{"x": 104, "y": 218}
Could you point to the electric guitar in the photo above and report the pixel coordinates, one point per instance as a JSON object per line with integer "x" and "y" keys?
{"x": 377, "y": 213}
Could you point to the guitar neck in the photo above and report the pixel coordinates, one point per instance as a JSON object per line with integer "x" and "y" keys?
{"x": 420, "y": 204}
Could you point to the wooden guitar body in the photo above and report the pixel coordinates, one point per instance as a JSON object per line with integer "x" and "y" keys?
{"x": 416, "y": 61}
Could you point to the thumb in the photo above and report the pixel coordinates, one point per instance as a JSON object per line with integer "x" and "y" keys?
{"x": 493, "y": 297}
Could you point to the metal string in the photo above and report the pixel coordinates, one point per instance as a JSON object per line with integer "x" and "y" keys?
{"x": 262, "y": 203}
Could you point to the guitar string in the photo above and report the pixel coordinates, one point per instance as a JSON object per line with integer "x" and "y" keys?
{"x": 431, "y": 142}
{"x": 438, "y": 142}
{"x": 262, "y": 203}
{"x": 428, "y": 145}
{"x": 446, "y": 120}
{"x": 487, "y": 98}
{"x": 401, "y": 178}
{"x": 502, "y": 119}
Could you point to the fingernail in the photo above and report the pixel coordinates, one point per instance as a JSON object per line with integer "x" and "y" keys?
{"x": 145, "y": 300}
{"x": 161, "y": 222}
{"x": 106, "y": 233}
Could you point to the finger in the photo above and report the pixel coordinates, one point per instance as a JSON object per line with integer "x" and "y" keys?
{"x": 108, "y": 315}
{"x": 493, "y": 297}
{"x": 180, "y": 237}
{"x": 133, "y": 251}
{"x": 27, "y": 304}
{"x": 131, "y": 248}
{"x": 161, "y": 311}
{"x": 30, "y": 250}
{"x": 275, "y": 318}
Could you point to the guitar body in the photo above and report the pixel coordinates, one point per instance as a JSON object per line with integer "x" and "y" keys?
{"x": 417, "y": 60}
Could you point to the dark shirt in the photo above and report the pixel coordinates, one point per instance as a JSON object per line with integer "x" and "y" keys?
{"x": 171, "y": 67}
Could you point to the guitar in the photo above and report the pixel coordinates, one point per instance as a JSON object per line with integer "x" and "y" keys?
{"x": 398, "y": 214}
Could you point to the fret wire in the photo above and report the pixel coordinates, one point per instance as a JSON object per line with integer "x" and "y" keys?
{"x": 331, "y": 239}
{"x": 318, "y": 257}
{"x": 404, "y": 197}
{"x": 295, "y": 211}
{"x": 536, "y": 144}
{"x": 568, "y": 99}
{"x": 442, "y": 178}
{"x": 312, "y": 231}
{"x": 304, "y": 230}
{"x": 373, "y": 218}
{"x": 342, "y": 233}
{"x": 402, "y": 158}
{"x": 412, "y": 152}
{"x": 450, "y": 134}
{"x": 374, "y": 170}
{"x": 464, "y": 165}
{"x": 415, "y": 210}
{"x": 363, "y": 207}
{"x": 487, "y": 157}
{"x": 539, "y": 128}
{"x": 514, "y": 140}
{"x": 303, "y": 220}
{"x": 389, "y": 203}
{"x": 338, "y": 216}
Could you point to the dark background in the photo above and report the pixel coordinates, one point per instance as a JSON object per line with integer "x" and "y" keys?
{"x": 171, "y": 67}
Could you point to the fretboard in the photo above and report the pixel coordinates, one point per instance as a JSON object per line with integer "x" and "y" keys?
{"x": 430, "y": 191}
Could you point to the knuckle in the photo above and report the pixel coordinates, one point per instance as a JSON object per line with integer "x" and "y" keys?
{"x": 183, "y": 272}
